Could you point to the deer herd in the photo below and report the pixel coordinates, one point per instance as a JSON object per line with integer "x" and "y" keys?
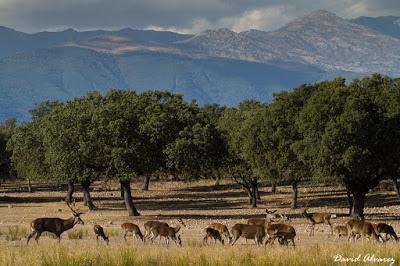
{"x": 263, "y": 231}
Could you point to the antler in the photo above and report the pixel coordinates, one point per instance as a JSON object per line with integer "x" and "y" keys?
{"x": 76, "y": 211}
{"x": 270, "y": 212}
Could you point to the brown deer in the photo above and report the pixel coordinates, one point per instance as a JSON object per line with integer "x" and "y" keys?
{"x": 283, "y": 232}
{"x": 248, "y": 231}
{"x": 54, "y": 225}
{"x": 222, "y": 229}
{"x": 167, "y": 232}
{"x": 213, "y": 234}
{"x": 341, "y": 230}
{"x": 150, "y": 224}
{"x": 134, "y": 229}
{"x": 387, "y": 230}
{"x": 270, "y": 216}
{"x": 318, "y": 218}
{"x": 360, "y": 228}
{"x": 99, "y": 232}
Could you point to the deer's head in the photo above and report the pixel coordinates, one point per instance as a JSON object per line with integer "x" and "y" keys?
{"x": 76, "y": 214}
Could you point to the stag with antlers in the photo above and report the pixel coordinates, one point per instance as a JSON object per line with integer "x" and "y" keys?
{"x": 54, "y": 225}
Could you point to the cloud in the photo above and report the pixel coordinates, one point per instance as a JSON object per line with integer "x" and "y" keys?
{"x": 267, "y": 18}
{"x": 180, "y": 15}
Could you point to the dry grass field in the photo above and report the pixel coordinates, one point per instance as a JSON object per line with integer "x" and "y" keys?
{"x": 197, "y": 203}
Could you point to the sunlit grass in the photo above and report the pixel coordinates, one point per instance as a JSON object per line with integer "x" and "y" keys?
{"x": 83, "y": 252}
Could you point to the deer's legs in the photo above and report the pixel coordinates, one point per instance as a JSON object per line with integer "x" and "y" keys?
{"x": 312, "y": 230}
{"x": 205, "y": 240}
{"x": 30, "y": 236}
{"x": 126, "y": 232}
{"x": 330, "y": 225}
{"x": 235, "y": 238}
{"x": 37, "y": 237}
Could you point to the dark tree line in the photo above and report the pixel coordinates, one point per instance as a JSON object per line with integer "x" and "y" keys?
{"x": 331, "y": 131}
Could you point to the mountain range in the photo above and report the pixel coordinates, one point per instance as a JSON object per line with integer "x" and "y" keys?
{"x": 213, "y": 66}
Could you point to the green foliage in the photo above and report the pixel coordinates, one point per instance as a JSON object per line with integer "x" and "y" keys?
{"x": 28, "y": 151}
{"x": 6, "y": 130}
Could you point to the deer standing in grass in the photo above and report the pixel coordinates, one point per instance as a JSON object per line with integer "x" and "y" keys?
{"x": 283, "y": 232}
{"x": 341, "y": 230}
{"x": 213, "y": 234}
{"x": 318, "y": 218}
{"x": 147, "y": 227}
{"x": 248, "y": 231}
{"x": 222, "y": 229}
{"x": 99, "y": 232}
{"x": 387, "y": 230}
{"x": 54, "y": 225}
{"x": 134, "y": 229}
{"x": 359, "y": 228}
{"x": 271, "y": 216}
{"x": 168, "y": 232}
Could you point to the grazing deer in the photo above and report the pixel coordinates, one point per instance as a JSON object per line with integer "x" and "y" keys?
{"x": 214, "y": 234}
{"x": 99, "y": 232}
{"x": 283, "y": 232}
{"x": 341, "y": 230}
{"x": 248, "y": 231}
{"x": 318, "y": 218}
{"x": 270, "y": 216}
{"x": 387, "y": 230}
{"x": 134, "y": 229}
{"x": 222, "y": 229}
{"x": 167, "y": 232}
{"x": 150, "y": 224}
{"x": 54, "y": 225}
{"x": 359, "y": 228}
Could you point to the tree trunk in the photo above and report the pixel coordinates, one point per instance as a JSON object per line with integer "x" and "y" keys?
{"x": 70, "y": 192}
{"x": 294, "y": 195}
{"x": 258, "y": 194}
{"x": 126, "y": 185}
{"x": 121, "y": 191}
{"x": 273, "y": 188}
{"x": 146, "y": 182}
{"x": 254, "y": 193}
{"x": 249, "y": 194}
{"x": 350, "y": 200}
{"x": 396, "y": 187}
{"x": 217, "y": 179}
{"x": 358, "y": 204}
{"x": 29, "y": 186}
{"x": 87, "y": 199}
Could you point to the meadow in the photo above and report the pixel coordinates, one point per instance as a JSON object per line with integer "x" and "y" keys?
{"x": 198, "y": 203}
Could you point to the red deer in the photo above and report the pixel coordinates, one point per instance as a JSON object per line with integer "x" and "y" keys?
{"x": 99, "y": 232}
{"x": 341, "y": 230}
{"x": 167, "y": 232}
{"x": 213, "y": 234}
{"x": 318, "y": 218}
{"x": 247, "y": 231}
{"x": 271, "y": 216}
{"x": 358, "y": 228}
{"x": 387, "y": 230}
{"x": 148, "y": 225}
{"x": 54, "y": 225}
{"x": 283, "y": 232}
{"x": 132, "y": 228}
{"x": 222, "y": 229}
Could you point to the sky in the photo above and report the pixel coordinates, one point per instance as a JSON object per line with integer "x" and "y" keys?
{"x": 185, "y": 16}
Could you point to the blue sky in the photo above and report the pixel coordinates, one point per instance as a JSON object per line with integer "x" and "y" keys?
{"x": 189, "y": 16}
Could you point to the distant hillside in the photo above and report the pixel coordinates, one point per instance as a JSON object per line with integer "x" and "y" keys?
{"x": 388, "y": 25}
{"x": 214, "y": 66}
